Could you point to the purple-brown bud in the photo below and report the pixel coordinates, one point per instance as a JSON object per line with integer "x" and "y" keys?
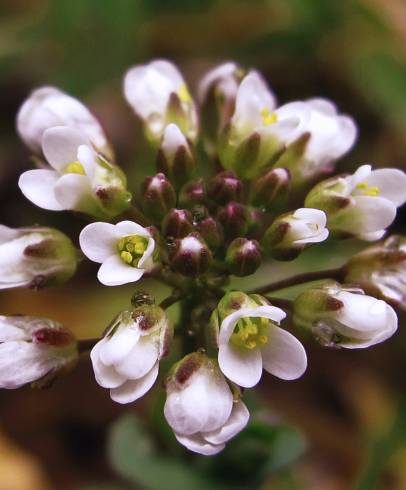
{"x": 158, "y": 196}
{"x": 271, "y": 189}
{"x": 192, "y": 194}
{"x": 225, "y": 187}
{"x": 177, "y": 223}
{"x": 243, "y": 257}
{"x": 235, "y": 219}
{"x": 191, "y": 256}
{"x": 211, "y": 231}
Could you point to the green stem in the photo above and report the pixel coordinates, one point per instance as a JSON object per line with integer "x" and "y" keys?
{"x": 171, "y": 300}
{"x": 299, "y": 279}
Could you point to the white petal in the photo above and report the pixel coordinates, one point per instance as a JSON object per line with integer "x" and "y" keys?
{"x": 242, "y": 366}
{"x": 320, "y": 237}
{"x": 238, "y": 420}
{"x": 60, "y": 146}
{"x": 73, "y": 191}
{"x": 360, "y": 175}
{"x": 114, "y": 272}
{"x": 139, "y": 360}
{"x": 373, "y": 214}
{"x": 98, "y": 241}
{"x": 373, "y": 236}
{"x": 266, "y": 311}
{"x": 283, "y": 355}
{"x": 311, "y": 215}
{"x": 172, "y": 140}
{"x": 198, "y": 444}
{"x": 391, "y": 183}
{"x": 147, "y": 255}
{"x": 106, "y": 376}
{"x": 127, "y": 228}
{"x": 116, "y": 347}
{"x": 38, "y": 186}
{"x": 87, "y": 157}
{"x": 7, "y": 233}
{"x": 223, "y": 71}
{"x": 133, "y": 389}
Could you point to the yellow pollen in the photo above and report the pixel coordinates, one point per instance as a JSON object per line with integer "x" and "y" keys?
{"x": 74, "y": 168}
{"x": 268, "y": 118}
{"x": 184, "y": 94}
{"x": 250, "y": 333}
{"x": 368, "y": 190}
{"x": 131, "y": 249}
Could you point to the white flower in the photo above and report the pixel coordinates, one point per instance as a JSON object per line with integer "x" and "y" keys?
{"x": 366, "y": 201}
{"x": 158, "y": 95}
{"x": 250, "y": 340}
{"x": 79, "y": 179}
{"x": 289, "y": 233}
{"x": 200, "y": 408}
{"x": 47, "y": 107}
{"x": 32, "y": 348}
{"x": 125, "y": 251}
{"x": 345, "y": 318}
{"x": 35, "y": 257}
{"x": 126, "y": 360}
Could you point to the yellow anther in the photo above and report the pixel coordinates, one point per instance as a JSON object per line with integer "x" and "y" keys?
{"x": 368, "y": 190}
{"x": 184, "y": 94}
{"x": 268, "y": 118}
{"x": 249, "y": 332}
{"x": 251, "y": 344}
{"x": 75, "y": 168}
{"x": 263, "y": 339}
{"x": 132, "y": 248}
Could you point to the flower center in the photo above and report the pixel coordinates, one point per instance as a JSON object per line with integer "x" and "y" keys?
{"x": 132, "y": 248}
{"x": 268, "y": 117}
{"x": 184, "y": 94}
{"x": 74, "y": 168}
{"x": 368, "y": 190}
{"x": 250, "y": 333}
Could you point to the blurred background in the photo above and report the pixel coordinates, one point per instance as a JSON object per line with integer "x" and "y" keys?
{"x": 343, "y": 426}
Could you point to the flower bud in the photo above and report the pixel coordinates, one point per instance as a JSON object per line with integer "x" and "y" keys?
{"x": 78, "y": 179}
{"x": 235, "y": 219}
{"x": 225, "y": 187}
{"x": 158, "y": 196}
{"x": 190, "y": 256}
{"x": 290, "y": 233}
{"x": 270, "y": 190}
{"x": 362, "y": 204}
{"x": 177, "y": 223}
{"x": 35, "y": 257}
{"x": 192, "y": 194}
{"x": 34, "y": 350}
{"x": 175, "y": 157}
{"x": 250, "y": 339}
{"x": 381, "y": 270}
{"x": 243, "y": 257}
{"x": 211, "y": 231}
{"x": 200, "y": 407}
{"x": 47, "y": 107}
{"x": 159, "y": 96}
{"x": 342, "y": 317}
{"x": 126, "y": 359}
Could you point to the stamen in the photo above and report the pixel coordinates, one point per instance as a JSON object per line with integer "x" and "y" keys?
{"x": 184, "y": 94}
{"x": 268, "y": 118}
{"x": 368, "y": 190}
{"x": 132, "y": 248}
{"x": 74, "y": 168}
{"x": 250, "y": 333}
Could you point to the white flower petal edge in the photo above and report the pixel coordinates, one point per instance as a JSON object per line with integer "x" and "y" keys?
{"x": 100, "y": 243}
{"x": 282, "y": 355}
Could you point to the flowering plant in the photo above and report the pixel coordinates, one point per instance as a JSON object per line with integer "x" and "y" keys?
{"x": 259, "y": 191}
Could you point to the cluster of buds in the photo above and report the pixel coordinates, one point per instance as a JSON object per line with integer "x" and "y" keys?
{"x": 196, "y": 223}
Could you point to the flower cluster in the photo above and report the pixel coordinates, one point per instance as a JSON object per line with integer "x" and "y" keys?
{"x": 196, "y": 223}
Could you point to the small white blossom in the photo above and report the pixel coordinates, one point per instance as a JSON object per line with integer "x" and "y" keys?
{"x": 32, "y": 348}
{"x": 126, "y": 360}
{"x": 79, "y": 179}
{"x": 158, "y": 95}
{"x": 342, "y": 317}
{"x": 35, "y": 257}
{"x": 365, "y": 202}
{"x": 250, "y": 340}
{"x": 200, "y": 408}
{"x": 47, "y": 107}
{"x": 125, "y": 251}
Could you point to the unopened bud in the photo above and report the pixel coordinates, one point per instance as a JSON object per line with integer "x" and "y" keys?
{"x": 34, "y": 350}
{"x": 235, "y": 219}
{"x": 175, "y": 158}
{"x": 191, "y": 255}
{"x": 35, "y": 257}
{"x": 290, "y": 233}
{"x": 271, "y": 189}
{"x": 225, "y": 187}
{"x": 177, "y": 223}
{"x": 158, "y": 196}
{"x": 211, "y": 231}
{"x": 243, "y": 257}
{"x": 192, "y": 194}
